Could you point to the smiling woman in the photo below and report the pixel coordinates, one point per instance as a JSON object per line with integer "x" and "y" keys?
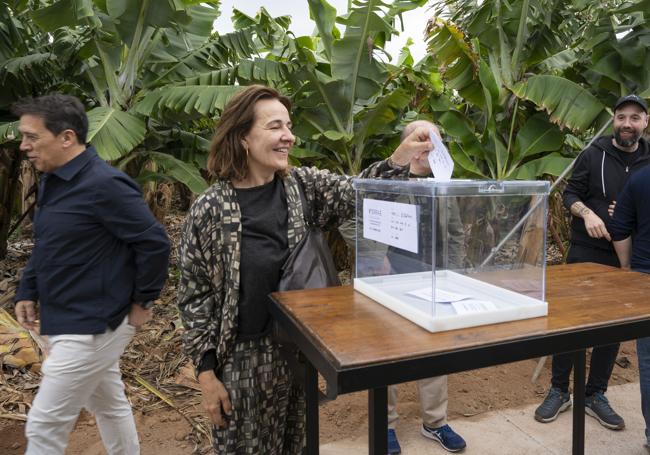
{"x": 267, "y": 143}
{"x": 253, "y": 138}
{"x": 235, "y": 239}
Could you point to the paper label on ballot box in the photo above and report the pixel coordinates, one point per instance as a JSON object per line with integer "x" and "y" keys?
{"x": 392, "y": 223}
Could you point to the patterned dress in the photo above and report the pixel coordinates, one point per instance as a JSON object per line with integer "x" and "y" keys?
{"x": 268, "y": 409}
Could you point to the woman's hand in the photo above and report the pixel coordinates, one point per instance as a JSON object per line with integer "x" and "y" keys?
{"x": 215, "y": 398}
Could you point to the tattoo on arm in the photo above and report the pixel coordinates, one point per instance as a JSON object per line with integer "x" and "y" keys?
{"x": 580, "y": 209}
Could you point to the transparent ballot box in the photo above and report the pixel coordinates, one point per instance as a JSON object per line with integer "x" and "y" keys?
{"x": 453, "y": 254}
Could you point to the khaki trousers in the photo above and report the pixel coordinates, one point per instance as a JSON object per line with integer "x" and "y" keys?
{"x": 433, "y": 402}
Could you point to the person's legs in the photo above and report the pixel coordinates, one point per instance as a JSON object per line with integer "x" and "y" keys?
{"x": 561, "y": 366}
{"x": 393, "y": 443}
{"x": 392, "y": 406}
{"x": 433, "y": 400}
{"x": 558, "y": 399}
{"x": 66, "y": 382}
{"x": 108, "y": 402}
{"x": 602, "y": 363}
{"x": 643, "y": 354}
{"x": 268, "y": 411}
{"x": 71, "y": 373}
{"x": 113, "y": 413}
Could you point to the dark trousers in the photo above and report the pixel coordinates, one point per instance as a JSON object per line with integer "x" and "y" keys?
{"x": 602, "y": 357}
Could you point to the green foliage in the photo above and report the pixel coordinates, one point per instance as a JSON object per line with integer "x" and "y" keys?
{"x": 525, "y": 73}
{"x": 147, "y": 70}
{"x": 567, "y": 103}
{"x": 517, "y": 86}
{"x": 338, "y": 87}
{"x": 113, "y": 132}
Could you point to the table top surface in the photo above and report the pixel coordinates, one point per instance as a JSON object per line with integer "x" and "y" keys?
{"x": 352, "y": 330}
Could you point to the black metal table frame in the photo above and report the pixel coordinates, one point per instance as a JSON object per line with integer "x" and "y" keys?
{"x": 376, "y": 377}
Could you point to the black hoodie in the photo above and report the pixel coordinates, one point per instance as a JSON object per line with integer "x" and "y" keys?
{"x": 598, "y": 177}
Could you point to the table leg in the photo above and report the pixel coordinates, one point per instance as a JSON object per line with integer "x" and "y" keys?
{"x": 311, "y": 392}
{"x": 378, "y": 421}
{"x": 579, "y": 402}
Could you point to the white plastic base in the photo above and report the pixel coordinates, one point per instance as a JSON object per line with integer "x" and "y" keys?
{"x": 391, "y": 291}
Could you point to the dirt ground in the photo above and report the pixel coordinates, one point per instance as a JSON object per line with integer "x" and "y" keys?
{"x": 156, "y": 355}
{"x": 472, "y": 393}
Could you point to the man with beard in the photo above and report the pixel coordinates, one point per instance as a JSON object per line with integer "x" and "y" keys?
{"x": 599, "y": 175}
{"x": 632, "y": 218}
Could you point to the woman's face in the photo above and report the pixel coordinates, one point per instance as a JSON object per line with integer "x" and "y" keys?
{"x": 269, "y": 139}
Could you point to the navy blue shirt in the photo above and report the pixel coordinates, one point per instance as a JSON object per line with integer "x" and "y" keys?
{"x": 97, "y": 249}
{"x": 632, "y": 218}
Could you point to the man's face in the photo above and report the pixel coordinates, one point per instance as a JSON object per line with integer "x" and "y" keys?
{"x": 630, "y": 120}
{"x": 44, "y": 149}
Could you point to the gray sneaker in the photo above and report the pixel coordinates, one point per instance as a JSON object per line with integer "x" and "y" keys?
{"x": 598, "y": 406}
{"x": 555, "y": 402}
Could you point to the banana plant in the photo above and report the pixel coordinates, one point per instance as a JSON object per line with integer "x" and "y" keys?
{"x": 341, "y": 108}
{"x": 615, "y": 45}
{"x": 149, "y": 71}
{"x": 508, "y": 122}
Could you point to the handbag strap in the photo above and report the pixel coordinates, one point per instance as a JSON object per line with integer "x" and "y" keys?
{"x": 306, "y": 209}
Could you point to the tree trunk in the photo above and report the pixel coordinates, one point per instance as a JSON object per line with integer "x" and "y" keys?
{"x": 9, "y": 172}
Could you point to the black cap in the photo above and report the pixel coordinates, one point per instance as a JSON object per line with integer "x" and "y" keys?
{"x": 631, "y": 99}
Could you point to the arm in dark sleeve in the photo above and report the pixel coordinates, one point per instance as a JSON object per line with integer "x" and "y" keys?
{"x": 27, "y": 290}
{"x": 124, "y": 214}
{"x": 577, "y": 187}
{"x": 208, "y": 361}
{"x": 623, "y": 222}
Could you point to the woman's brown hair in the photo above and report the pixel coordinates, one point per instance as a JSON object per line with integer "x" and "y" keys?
{"x": 228, "y": 157}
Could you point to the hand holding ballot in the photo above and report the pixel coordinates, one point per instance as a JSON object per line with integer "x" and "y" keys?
{"x": 415, "y": 143}
{"x": 423, "y": 149}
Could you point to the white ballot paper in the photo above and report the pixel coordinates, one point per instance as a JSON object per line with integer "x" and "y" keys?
{"x": 473, "y": 306}
{"x": 440, "y": 161}
{"x": 392, "y": 223}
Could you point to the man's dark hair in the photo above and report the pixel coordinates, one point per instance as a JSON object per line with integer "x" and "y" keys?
{"x": 59, "y": 113}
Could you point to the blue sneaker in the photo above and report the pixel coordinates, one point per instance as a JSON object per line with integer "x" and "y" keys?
{"x": 448, "y": 438}
{"x": 393, "y": 443}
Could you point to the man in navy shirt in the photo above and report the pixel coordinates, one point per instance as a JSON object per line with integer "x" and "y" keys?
{"x": 630, "y": 231}
{"x": 99, "y": 260}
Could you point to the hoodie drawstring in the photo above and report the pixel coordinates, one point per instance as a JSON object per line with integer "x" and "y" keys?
{"x": 602, "y": 173}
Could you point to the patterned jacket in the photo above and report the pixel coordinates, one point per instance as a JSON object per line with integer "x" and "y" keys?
{"x": 209, "y": 256}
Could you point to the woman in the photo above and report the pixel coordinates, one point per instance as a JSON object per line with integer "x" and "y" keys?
{"x": 235, "y": 240}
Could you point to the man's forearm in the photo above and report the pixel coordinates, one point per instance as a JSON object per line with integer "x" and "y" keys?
{"x": 580, "y": 210}
{"x": 623, "y": 251}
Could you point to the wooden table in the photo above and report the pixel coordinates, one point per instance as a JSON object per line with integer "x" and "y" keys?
{"x": 358, "y": 344}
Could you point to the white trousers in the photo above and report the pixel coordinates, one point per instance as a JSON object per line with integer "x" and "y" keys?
{"x": 83, "y": 371}
{"x": 433, "y": 402}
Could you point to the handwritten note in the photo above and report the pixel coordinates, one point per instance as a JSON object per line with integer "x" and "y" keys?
{"x": 473, "y": 306}
{"x": 440, "y": 161}
{"x": 392, "y": 223}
